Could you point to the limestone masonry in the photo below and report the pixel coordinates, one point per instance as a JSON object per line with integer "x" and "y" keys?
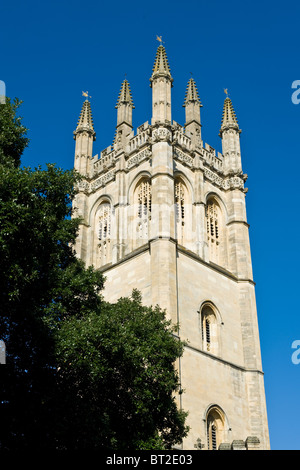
{"x": 161, "y": 212}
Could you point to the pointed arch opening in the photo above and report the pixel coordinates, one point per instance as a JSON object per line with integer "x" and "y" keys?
{"x": 216, "y": 233}
{"x": 183, "y": 211}
{"x": 143, "y": 206}
{"x": 103, "y": 233}
{"x": 180, "y": 210}
{"x": 209, "y": 325}
{"x": 215, "y": 427}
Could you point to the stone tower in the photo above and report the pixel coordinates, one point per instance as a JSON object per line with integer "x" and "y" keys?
{"x": 163, "y": 213}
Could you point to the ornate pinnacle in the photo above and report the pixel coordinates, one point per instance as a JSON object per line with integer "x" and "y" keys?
{"x": 85, "y": 121}
{"x": 125, "y": 95}
{"x": 229, "y": 119}
{"x": 161, "y": 64}
{"x": 191, "y": 94}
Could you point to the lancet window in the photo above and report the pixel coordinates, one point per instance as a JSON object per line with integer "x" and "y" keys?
{"x": 143, "y": 194}
{"x": 180, "y": 210}
{"x": 104, "y": 222}
{"x": 104, "y": 215}
{"x": 213, "y": 230}
{"x": 209, "y": 329}
{"x": 215, "y": 428}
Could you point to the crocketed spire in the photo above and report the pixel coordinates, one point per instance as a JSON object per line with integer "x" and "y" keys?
{"x": 125, "y": 95}
{"x": 229, "y": 120}
{"x": 85, "y": 121}
{"x": 191, "y": 94}
{"x": 161, "y": 65}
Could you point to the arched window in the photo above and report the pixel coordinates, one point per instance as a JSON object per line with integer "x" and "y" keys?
{"x": 215, "y": 233}
{"x": 143, "y": 216}
{"x": 215, "y": 428}
{"x": 103, "y": 219}
{"x": 209, "y": 329}
{"x": 180, "y": 210}
{"x": 104, "y": 226}
{"x": 213, "y": 229}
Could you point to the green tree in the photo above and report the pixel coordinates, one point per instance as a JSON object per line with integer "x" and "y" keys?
{"x": 13, "y": 135}
{"x": 36, "y": 262}
{"x": 80, "y": 373}
{"x": 118, "y": 364}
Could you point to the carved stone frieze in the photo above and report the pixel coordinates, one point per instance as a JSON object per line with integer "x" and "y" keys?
{"x": 232, "y": 182}
{"x": 138, "y": 158}
{"x": 183, "y": 157}
{"x": 103, "y": 180}
{"x": 214, "y": 177}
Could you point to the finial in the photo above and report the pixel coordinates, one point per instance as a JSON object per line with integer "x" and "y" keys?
{"x": 86, "y": 94}
{"x": 159, "y": 38}
{"x": 226, "y": 91}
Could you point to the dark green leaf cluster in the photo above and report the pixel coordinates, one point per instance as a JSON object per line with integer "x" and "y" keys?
{"x": 38, "y": 268}
{"x": 120, "y": 361}
{"x": 36, "y": 233}
{"x": 13, "y": 135}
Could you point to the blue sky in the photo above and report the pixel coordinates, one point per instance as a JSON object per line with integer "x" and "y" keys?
{"x": 51, "y": 51}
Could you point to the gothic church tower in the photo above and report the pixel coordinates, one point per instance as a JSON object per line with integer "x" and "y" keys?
{"x": 161, "y": 212}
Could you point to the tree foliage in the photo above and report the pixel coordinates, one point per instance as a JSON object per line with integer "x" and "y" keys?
{"x": 37, "y": 268}
{"x": 121, "y": 359}
{"x": 80, "y": 373}
{"x": 13, "y": 135}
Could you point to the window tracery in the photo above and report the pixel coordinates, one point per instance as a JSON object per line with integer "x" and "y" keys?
{"x": 216, "y": 233}
{"x": 209, "y": 329}
{"x": 215, "y": 428}
{"x": 144, "y": 202}
{"x": 180, "y": 210}
{"x": 104, "y": 232}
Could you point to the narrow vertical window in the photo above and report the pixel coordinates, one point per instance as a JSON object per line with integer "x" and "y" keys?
{"x": 104, "y": 222}
{"x": 104, "y": 232}
{"x": 179, "y": 210}
{"x": 213, "y": 232}
{"x": 144, "y": 202}
{"x": 214, "y": 437}
{"x": 209, "y": 329}
{"x": 207, "y": 333}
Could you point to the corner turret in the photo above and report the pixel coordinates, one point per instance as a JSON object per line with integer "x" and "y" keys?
{"x": 124, "y": 115}
{"x": 84, "y": 136}
{"x": 192, "y": 105}
{"x": 230, "y": 135}
{"x": 161, "y": 82}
